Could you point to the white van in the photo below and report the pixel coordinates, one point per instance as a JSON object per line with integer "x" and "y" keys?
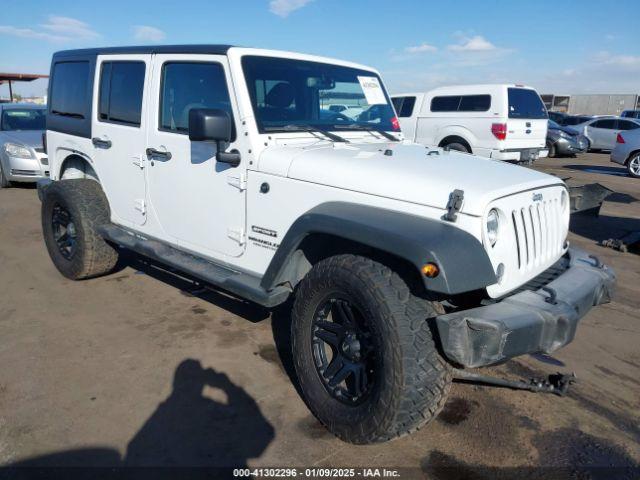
{"x": 504, "y": 122}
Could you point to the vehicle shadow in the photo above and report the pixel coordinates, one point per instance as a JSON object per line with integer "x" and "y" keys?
{"x": 602, "y": 227}
{"x": 617, "y": 171}
{"x": 191, "y": 287}
{"x": 187, "y": 430}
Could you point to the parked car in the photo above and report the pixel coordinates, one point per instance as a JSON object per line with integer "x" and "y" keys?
{"x": 503, "y": 122}
{"x": 630, "y": 114}
{"x": 203, "y": 158}
{"x": 572, "y": 120}
{"x": 627, "y": 151}
{"x": 565, "y": 140}
{"x": 601, "y": 132}
{"x": 557, "y": 117}
{"x": 22, "y": 157}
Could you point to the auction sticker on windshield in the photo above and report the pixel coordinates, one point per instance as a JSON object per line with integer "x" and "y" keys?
{"x": 372, "y": 90}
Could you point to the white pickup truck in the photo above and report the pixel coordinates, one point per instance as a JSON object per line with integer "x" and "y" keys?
{"x": 401, "y": 261}
{"x": 503, "y": 122}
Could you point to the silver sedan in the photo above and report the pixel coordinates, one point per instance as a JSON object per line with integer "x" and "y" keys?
{"x": 22, "y": 157}
{"x": 627, "y": 151}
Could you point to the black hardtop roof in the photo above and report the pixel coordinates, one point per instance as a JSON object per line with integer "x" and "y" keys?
{"x": 146, "y": 49}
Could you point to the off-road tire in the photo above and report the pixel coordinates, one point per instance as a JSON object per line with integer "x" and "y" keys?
{"x": 415, "y": 379}
{"x": 458, "y": 147}
{"x": 4, "y": 181}
{"x": 89, "y": 208}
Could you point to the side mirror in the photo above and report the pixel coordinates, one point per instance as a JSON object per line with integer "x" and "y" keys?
{"x": 213, "y": 125}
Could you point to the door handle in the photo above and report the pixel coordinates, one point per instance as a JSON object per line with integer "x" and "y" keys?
{"x": 155, "y": 153}
{"x": 101, "y": 142}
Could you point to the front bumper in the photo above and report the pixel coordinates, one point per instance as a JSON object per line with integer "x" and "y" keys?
{"x": 529, "y": 321}
{"x": 569, "y": 146}
{"x": 26, "y": 169}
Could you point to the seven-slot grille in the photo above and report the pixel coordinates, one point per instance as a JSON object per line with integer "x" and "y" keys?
{"x": 539, "y": 233}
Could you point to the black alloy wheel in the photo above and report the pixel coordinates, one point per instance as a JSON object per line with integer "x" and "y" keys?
{"x": 343, "y": 350}
{"x": 64, "y": 231}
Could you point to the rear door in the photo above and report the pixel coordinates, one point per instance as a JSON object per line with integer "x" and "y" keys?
{"x": 602, "y": 133}
{"x": 526, "y": 119}
{"x": 119, "y": 138}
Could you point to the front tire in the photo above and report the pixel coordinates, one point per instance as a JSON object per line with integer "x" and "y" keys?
{"x": 552, "y": 150}
{"x": 633, "y": 166}
{"x": 363, "y": 351}
{"x": 72, "y": 211}
{"x": 4, "y": 181}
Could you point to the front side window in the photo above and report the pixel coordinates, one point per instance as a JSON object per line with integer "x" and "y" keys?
{"x": 191, "y": 85}
{"x": 121, "y": 89}
{"x": 608, "y": 124}
{"x": 289, "y": 94}
{"x": 69, "y": 94}
{"x": 526, "y": 104}
{"x": 23, "y": 119}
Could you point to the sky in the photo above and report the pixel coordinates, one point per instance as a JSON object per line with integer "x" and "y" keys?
{"x": 561, "y": 46}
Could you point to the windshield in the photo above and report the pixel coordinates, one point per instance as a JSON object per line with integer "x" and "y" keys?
{"x": 287, "y": 92}
{"x": 526, "y": 103}
{"x": 23, "y": 119}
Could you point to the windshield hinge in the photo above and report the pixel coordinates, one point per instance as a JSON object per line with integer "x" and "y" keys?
{"x": 454, "y": 205}
{"x": 138, "y": 161}
{"x": 236, "y": 234}
{"x": 239, "y": 181}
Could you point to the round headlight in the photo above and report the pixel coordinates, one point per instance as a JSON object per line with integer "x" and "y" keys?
{"x": 493, "y": 225}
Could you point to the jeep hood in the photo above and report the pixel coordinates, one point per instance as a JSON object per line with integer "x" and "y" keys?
{"x": 404, "y": 171}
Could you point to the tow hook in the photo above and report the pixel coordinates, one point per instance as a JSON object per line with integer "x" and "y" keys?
{"x": 557, "y": 383}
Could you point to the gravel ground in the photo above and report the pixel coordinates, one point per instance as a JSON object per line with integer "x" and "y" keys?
{"x": 145, "y": 368}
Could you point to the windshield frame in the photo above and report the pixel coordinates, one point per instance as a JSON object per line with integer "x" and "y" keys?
{"x": 22, "y": 109}
{"x": 319, "y": 125}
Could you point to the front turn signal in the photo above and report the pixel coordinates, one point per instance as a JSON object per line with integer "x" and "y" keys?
{"x": 430, "y": 270}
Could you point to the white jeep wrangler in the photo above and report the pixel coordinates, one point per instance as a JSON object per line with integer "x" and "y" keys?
{"x": 402, "y": 261}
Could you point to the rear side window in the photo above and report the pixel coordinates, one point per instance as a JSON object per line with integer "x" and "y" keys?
{"x": 445, "y": 104}
{"x": 627, "y": 125}
{"x": 69, "y": 93}
{"x": 191, "y": 85}
{"x": 461, "y": 103}
{"x": 525, "y": 103}
{"x": 121, "y": 89}
{"x": 475, "y": 103}
{"x": 404, "y": 105}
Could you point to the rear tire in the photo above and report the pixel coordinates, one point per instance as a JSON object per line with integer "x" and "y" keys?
{"x": 633, "y": 166}
{"x": 458, "y": 147}
{"x": 72, "y": 211}
{"x": 406, "y": 381}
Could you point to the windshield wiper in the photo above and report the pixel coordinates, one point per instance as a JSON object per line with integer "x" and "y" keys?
{"x": 67, "y": 114}
{"x": 308, "y": 128}
{"x": 367, "y": 128}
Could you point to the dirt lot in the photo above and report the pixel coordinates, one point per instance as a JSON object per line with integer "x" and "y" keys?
{"x": 145, "y": 368}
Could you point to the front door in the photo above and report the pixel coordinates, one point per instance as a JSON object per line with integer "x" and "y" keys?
{"x": 118, "y": 133}
{"x": 198, "y": 202}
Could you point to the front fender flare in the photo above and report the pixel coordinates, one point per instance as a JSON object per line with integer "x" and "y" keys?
{"x": 463, "y": 261}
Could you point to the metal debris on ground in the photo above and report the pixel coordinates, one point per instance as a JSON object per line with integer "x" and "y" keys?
{"x": 626, "y": 243}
